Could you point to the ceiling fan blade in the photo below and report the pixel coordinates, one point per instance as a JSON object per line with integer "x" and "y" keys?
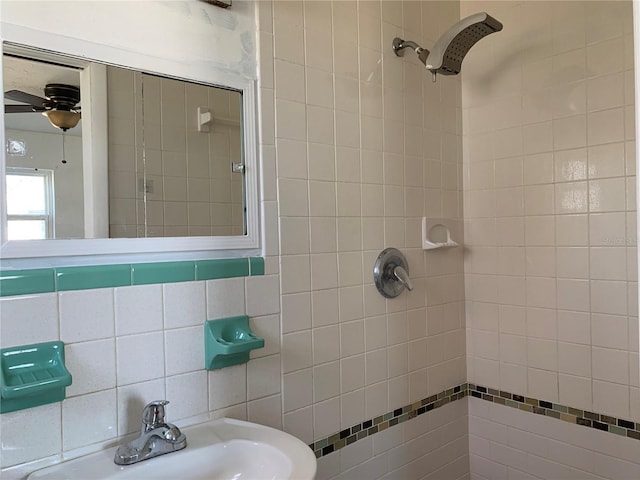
{"x": 24, "y": 97}
{"x": 19, "y": 109}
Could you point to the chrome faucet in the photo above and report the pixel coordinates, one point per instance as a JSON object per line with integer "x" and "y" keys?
{"x": 156, "y": 437}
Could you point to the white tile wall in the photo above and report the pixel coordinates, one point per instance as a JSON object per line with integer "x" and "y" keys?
{"x": 508, "y": 443}
{"x": 358, "y": 187}
{"x": 431, "y": 446}
{"x": 566, "y": 231}
{"x": 156, "y": 351}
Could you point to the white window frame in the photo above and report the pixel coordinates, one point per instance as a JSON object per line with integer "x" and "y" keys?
{"x": 49, "y": 202}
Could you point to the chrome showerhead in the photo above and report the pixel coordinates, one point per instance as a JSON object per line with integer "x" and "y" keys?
{"x": 449, "y": 51}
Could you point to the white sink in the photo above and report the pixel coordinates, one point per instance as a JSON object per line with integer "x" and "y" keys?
{"x": 220, "y": 449}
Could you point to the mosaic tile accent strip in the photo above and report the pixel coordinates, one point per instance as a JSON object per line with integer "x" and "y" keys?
{"x": 362, "y": 430}
{"x": 48, "y": 280}
{"x": 338, "y": 440}
{"x": 599, "y": 421}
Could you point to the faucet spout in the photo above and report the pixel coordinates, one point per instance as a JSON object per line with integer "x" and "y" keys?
{"x": 156, "y": 438}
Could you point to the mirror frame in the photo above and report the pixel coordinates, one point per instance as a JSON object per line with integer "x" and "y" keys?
{"x": 26, "y": 253}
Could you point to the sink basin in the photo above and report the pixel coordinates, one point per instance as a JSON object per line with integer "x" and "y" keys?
{"x": 220, "y": 449}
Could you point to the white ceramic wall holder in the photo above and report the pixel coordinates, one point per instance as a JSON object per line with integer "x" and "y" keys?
{"x": 205, "y": 118}
{"x": 429, "y": 227}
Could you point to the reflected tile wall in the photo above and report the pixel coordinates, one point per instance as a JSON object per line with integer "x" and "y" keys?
{"x": 165, "y": 177}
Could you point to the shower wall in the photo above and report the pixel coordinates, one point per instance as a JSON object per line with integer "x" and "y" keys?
{"x": 550, "y": 230}
{"x": 365, "y": 145}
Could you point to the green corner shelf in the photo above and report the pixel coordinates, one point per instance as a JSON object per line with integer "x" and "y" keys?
{"x": 32, "y": 375}
{"x": 228, "y": 341}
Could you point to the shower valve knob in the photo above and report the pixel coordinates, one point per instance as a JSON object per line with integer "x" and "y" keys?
{"x": 403, "y": 277}
{"x": 391, "y": 273}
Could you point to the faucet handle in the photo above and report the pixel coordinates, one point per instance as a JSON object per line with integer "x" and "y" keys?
{"x": 153, "y": 414}
{"x": 403, "y": 277}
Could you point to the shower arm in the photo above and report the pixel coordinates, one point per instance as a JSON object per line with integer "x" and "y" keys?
{"x": 398, "y": 48}
{"x": 399, "y": 45}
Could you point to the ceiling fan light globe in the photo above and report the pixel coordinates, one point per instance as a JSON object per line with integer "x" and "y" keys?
{"x": 62, "y": 119}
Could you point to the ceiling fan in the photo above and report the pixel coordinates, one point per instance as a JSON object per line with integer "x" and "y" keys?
{"x": 59, "y": 105}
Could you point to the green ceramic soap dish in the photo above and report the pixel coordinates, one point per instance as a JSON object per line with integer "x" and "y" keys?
{"x": 32, "y": 375}
{"x": 227, "y": 341}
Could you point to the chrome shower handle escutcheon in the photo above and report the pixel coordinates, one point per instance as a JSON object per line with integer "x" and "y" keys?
{"x": 391, "y": 273}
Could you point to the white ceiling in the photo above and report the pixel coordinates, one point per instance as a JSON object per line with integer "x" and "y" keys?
{"x": 30, "y": 76}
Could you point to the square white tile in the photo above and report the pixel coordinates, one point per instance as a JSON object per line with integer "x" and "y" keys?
{"x": 227, "y": 386}
{"x": 86, "y": 315}
{"x": 138, "y": 309}
{"x": 28, "y": 319}
{"x": 188, "y": 395}
{"x": 185, "y": 350}
{"x": 184, "y": 304}
{"x": 89, "y": 419}
{"x": 92, "y": 365}
{"x": 140, "y": 358}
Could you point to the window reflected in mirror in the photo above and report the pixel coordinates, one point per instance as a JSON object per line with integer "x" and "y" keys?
{"x": 44, "y": 165}
{"x": 29, "y": 204}
{"x": 175, "y": 154}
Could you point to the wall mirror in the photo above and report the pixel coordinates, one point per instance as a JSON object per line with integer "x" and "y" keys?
{"x": 136, "y": 161}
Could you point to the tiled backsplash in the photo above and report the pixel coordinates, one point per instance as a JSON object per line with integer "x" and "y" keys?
{"x": 126, "y": 345}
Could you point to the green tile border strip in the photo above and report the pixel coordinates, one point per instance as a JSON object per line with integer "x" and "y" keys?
{"x": 85, "y": 278}
{"x": 256, "y": 266}
{"x": 605, "y": 423}
{"x": 222, "y": 268}
{"x": 23, "y": 282}
{"x": 169, "y": 272}
{"x": 48, "y": 280}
